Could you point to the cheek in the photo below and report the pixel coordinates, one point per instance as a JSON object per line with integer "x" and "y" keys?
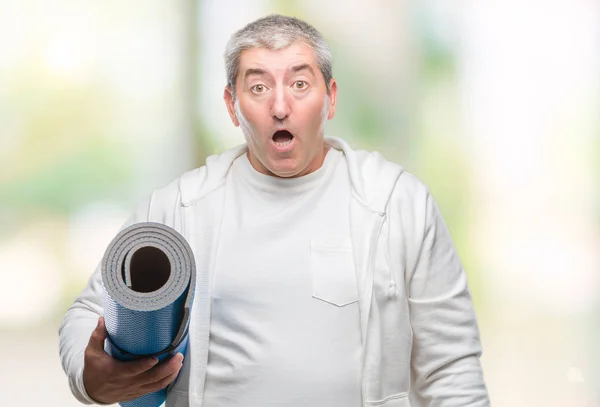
{"x": 258, "y": 120}
{"x": 311, "y": 114}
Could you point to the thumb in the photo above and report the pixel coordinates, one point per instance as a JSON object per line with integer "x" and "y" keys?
{"x": 98, "y": 336}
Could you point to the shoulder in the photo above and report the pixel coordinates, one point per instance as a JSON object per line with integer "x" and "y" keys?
{"x": 372, "y": 166}
{"x": 410, "y": 187}
{"x": 373, "y": 177}
{"x": 199, "y": 182}
{"x": 410, "y": 199}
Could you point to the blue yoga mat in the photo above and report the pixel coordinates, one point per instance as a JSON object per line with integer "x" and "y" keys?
{"x": 149, "y": 275}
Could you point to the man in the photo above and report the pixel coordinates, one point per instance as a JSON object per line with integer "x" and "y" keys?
{"x": 327, "y": 276}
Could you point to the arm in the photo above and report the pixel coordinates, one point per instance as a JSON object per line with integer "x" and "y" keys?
{"x": 81, "y": 319}
{"x": 74, "y": 333}
{"x": 446, "y": 347}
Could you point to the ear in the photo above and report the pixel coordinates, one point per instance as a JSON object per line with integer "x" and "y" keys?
{"x": 230, "y": 103}
{"x": 332, "y": 98}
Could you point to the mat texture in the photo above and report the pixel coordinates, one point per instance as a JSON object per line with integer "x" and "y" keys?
{"x": 149, "y": 275}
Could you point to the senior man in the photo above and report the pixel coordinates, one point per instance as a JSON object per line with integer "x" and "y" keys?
{"x": 328, "y": 275}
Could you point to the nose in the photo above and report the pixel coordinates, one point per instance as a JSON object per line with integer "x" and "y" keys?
{"x": 280, "y": 109}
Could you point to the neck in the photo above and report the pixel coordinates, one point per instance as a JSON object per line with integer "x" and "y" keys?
{"x": 314, "y": 164}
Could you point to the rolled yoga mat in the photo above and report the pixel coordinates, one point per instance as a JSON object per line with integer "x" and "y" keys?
{"x": 149, "y": 275}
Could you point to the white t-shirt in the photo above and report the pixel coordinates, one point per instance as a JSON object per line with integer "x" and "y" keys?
{"x": 285, "y": 322}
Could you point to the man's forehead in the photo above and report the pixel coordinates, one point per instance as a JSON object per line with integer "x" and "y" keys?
{"x": 289, "y": 58}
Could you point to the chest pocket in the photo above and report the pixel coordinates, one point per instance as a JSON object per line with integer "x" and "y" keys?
{"x": 332, "y": 271}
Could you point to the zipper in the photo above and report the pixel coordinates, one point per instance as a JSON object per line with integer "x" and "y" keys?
{"x": 370, "y": 273}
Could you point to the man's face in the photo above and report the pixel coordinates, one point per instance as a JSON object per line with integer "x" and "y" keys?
{"x": 282, "y": 106}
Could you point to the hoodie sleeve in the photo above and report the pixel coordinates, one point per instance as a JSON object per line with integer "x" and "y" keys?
{"x": 446, "y": 346}
{"x": 81, "y": 319}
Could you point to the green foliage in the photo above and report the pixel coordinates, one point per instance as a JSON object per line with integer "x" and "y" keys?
{"x": 97, "y": 172}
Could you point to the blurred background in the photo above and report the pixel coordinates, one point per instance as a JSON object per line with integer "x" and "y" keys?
{"x": 493, "y": 104}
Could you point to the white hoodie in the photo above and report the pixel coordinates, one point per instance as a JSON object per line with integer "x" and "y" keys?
{"x": 419, "y": 333}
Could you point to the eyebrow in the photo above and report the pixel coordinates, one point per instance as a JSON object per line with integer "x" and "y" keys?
{"x": 298, "y": 68}
{"x": 262, "y": 72}
{"x": 254, "y": 71}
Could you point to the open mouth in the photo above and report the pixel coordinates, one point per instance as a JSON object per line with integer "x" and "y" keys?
{"x": 283, "y": 141}
{"x": 282, "y": 138}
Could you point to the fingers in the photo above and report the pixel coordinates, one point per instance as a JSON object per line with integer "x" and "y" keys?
{"x": 109, "y": 380}
{"x": 162, "y": 370}
{"x": 112, "y": 380}
{"x": 98, "y": 336}
{"x": 137, "y": 367}
{"x": 163, "y": 382}
{"x": 125, "y": 369}
{"x": 156, "y": 378}
{"x": 151, "y": 387}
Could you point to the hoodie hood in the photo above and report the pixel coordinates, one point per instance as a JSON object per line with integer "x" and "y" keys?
{"x": 372, "y": 176}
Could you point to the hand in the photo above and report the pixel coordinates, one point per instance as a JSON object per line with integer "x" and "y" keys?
{"x": 107, "y": 380}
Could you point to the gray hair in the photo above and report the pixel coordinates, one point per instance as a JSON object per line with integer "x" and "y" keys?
{"x": 275, "y": 32}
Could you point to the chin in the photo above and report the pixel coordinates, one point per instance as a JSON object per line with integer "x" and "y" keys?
{"x": 284, "y": 172}
{"x": 281, "y": 167}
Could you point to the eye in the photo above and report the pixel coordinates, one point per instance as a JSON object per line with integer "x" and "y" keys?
{"x": 300, "y": 85}
{"x": 258, "y": 88}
